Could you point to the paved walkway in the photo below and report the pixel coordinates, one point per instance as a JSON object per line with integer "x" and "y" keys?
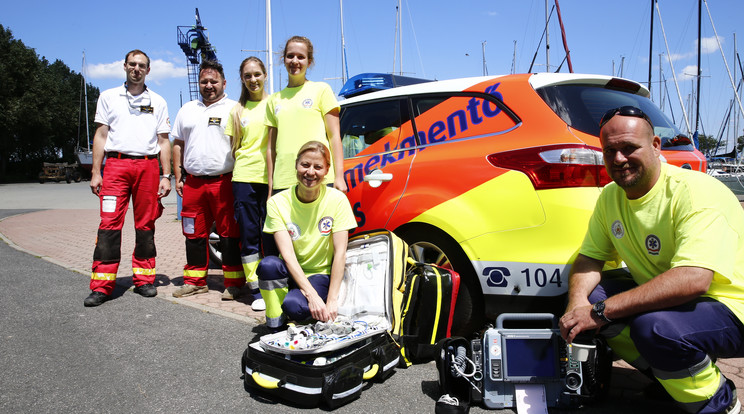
{"x": 67, "y": 237}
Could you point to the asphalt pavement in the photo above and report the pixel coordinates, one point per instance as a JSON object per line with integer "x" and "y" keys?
{"x": 138, "y": 355}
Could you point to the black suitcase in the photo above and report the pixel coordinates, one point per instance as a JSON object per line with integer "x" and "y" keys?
{"x": 334, "y": 374}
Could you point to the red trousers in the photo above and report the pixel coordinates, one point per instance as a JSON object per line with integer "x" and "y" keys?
{"x": 208, "y": 200}
{"x": 125, "y": 178}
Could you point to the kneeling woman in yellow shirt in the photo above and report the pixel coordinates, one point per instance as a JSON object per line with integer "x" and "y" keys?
{"x": 310, "y": 223}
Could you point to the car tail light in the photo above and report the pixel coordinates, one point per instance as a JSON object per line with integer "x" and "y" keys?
{"x": 556, "y": 166}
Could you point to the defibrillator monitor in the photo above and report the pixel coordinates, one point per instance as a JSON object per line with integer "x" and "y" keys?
{"x": 528, "y": 356}
{"x": 514, "y": 356}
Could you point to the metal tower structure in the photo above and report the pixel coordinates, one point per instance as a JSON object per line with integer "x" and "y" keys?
{"x": 194, "y": 41}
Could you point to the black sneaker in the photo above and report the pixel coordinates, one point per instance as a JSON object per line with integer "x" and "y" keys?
{"x": 276, "y": 329}
{"x": 96, "y": 298}
{"x": 146, "y": 290}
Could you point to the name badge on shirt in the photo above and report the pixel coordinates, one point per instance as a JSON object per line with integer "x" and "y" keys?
{"x": 146, "y": 109}
{"x": 214, "y": 121}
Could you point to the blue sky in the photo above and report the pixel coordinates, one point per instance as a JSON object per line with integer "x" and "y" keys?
{"x": 441, "y": 39}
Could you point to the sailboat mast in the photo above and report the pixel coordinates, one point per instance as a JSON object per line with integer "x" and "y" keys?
{"x": 699, "y": 72}
{"x": 547, "y": 39}
{"x": 661, "y": 86}
{"x": 269, "y": 55}
{"x": 483, "y": 51}
{"x": 85, "y": 94}
{"x": 400, "y": 35}
{"x": 344, "y": 72}
{"x": 725, "y": 63}
{"x": 674, "y": 76}
{"x": 651, "y": 47}
{"x": 736, "y": 117}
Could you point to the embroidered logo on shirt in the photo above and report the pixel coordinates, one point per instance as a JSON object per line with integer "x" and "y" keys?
{"x": 146, "y": 109}
{"x": 307, "y": 103}
{"x": 244, "y": 121}
{"x": 618, "y": 230}
{"x": 294, "y": 231}
{"x": 213, "y": 120}
{"x": 277, "y": 109}
{"x": 653, "y": 244}
{"x": 325, "y": 225}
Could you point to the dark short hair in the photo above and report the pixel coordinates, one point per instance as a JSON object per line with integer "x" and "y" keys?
{"x": 137, "y": 52}
{"x": 214, "y": 65}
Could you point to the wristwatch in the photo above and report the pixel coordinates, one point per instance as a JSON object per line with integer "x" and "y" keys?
{"x": 168, "y": 176}
{"x": 598, "y": 309}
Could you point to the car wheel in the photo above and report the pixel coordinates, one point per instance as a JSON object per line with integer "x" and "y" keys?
{"x": 215, "y": 248}
{"x": 435, "y": 247}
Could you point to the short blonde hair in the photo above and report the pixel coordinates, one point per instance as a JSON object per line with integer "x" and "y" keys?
{"x": 315, "y": 146}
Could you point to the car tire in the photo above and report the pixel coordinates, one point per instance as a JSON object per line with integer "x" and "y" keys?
{"x": 433, "y": 246}
{"x": 215, "y": 248}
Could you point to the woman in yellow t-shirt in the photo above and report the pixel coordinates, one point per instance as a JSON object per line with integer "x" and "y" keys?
{"x": 250, "y": 181}
{"x": 303, "y": 111}
{"x": 310, "y": 223}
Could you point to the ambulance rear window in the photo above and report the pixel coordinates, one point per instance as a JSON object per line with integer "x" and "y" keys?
{"x": 363, "y": 125}
{"x": 582, "y": 106}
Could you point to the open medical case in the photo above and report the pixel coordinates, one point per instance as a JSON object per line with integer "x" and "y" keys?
{"x": 327, "y": 363}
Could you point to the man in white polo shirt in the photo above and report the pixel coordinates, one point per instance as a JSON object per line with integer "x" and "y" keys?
{"x": 132, "y": 131}
{"x": 202, "y": 148}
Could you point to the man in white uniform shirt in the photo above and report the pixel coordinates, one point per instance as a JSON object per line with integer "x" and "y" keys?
{"x": 132, "y": 133}
{"x": 203, "y": 152}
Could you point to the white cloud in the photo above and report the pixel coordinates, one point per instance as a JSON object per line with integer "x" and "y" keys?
{"x": 687, "y": 73}
{"x": 106, "y": 70}
{"x": 160, "y": 70}
{"x": 678, "y": 56}
{"x": 708, "y": 45}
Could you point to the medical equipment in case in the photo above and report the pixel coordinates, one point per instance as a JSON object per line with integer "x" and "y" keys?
{"x": 326, "y": 363}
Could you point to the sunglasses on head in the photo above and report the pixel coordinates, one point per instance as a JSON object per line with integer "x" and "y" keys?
{"x": 624, "y": 111}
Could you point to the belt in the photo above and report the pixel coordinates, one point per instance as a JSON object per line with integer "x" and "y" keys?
{"x": 120, "y": 155}
{"x": 208, "y": 177}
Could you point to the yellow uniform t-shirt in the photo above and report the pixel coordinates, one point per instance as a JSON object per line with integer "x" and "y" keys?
{"x": 687, "y": 219}
{"x": 310, "y": 225}
{"x": 250, "y": 157}
{"x": 298, "y": 114}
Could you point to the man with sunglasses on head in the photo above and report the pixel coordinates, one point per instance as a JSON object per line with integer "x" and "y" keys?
{"x": 132, "y": 134}
{"x": 205, "y": 152}
{"x": 681, "y": 235}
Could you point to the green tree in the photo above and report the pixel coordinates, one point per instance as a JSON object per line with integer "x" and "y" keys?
{"x": 706, "y": 143}
{"x": 39, "y": 109}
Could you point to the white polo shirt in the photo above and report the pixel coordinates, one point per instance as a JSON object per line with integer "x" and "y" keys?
{"x": 134, "y": 121}
{"x": 207, "y": 150}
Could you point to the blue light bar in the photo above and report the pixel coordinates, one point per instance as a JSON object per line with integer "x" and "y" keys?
{"x": 371, "y": 82}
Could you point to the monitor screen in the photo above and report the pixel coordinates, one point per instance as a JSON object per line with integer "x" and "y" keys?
{"x": 530, "y": 357}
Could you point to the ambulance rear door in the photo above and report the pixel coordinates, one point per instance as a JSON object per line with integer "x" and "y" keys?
{"x": 379, "y": 146}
